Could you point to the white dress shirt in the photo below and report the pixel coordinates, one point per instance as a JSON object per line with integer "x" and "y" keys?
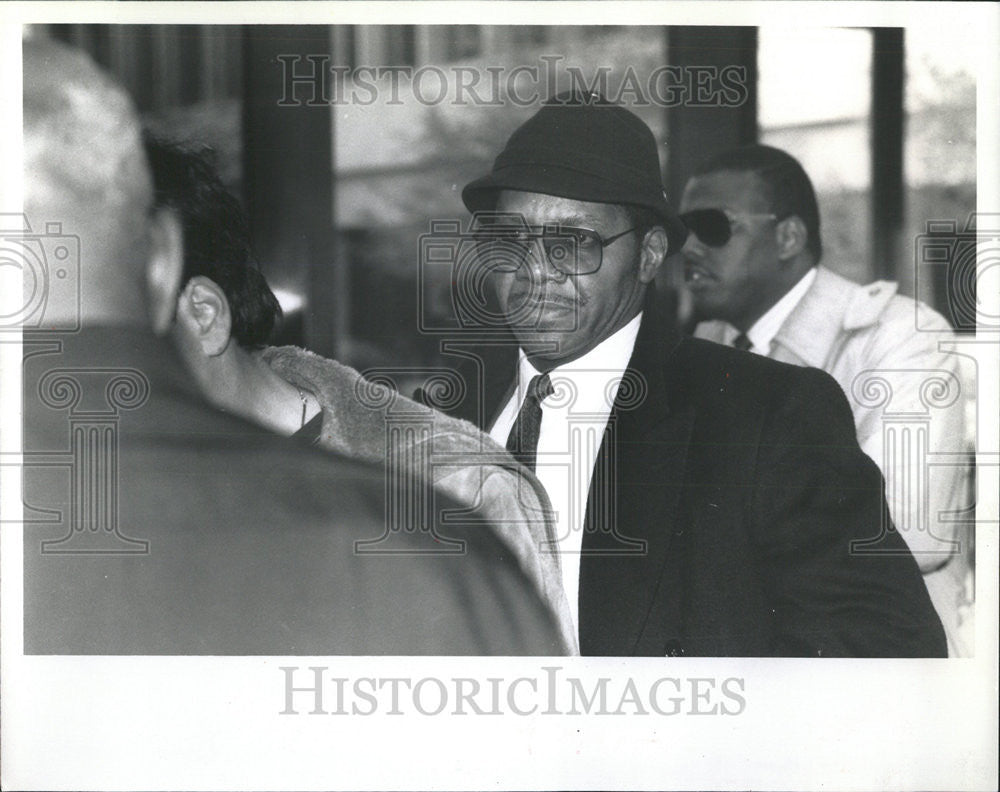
{"x": 763, "y": 331}
{"x": 574, "y": 418}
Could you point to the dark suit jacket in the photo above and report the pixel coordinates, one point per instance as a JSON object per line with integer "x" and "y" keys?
{"x": 249, "y": 537}
{"x": 737, "y": 488}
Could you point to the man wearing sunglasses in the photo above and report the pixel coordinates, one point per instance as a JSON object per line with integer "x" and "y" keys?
{"x": 706, "y": 499}
{"x": 752, "y": 267}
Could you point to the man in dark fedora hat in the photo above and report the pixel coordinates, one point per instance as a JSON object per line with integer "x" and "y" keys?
{"x": 709, "y": 502}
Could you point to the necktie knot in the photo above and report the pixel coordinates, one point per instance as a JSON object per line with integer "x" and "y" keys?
{"x": 743, "y": 342}
{"x": 540, "y": 387}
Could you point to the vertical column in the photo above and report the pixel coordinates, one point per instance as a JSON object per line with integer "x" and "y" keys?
{"x": 906, "y": 411}
{"x": 288, "y": 175}
{"x": 696, "y": 130}
{"x": 166, "y": 67}
{"x": 603, "y": 501}
{"x": 905, "y": 442}
{"x": 407, "y": 466}
{"x": 888, "y": 80}
{"x": 586, "y": 434}
{"x": 94, "y": 398}
{"x": 94, "y": 496}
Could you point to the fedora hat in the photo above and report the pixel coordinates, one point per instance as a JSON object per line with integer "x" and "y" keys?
{"x": 584, "y": 148}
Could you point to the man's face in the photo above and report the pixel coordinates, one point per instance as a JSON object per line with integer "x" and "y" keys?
{"x": 571, "y": 314}
{"x": 735, "y": 282}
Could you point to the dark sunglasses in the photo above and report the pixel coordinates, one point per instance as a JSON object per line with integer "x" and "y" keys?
{"x": 714, "y": 227}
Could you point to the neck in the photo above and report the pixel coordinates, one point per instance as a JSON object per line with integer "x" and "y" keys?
{"x": 544, "y": 361}
{"x": 243, "y": 384}
{"x": 746, "y": 321}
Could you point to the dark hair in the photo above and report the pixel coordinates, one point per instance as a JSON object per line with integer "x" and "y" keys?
{"x": 787, "y": 188}
{"x": 216, "y": 235}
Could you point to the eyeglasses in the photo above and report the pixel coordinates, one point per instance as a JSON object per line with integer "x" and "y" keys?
{"x": 570, "y": 250}
{"x": 714, "y": 227}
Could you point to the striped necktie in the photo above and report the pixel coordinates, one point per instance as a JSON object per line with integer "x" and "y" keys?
{"x": 522, "y": 441}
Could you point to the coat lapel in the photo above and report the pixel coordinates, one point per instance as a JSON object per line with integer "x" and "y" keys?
{"x": 811, "y": 330}
{"x": 632, "y": 510}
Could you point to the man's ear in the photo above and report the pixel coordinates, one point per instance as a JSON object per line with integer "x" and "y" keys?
{"x": 654, "y": 251}
{"x": 164, "y": 268}
{"x": 203, "y": 312}
{"x": 791, "y": 236}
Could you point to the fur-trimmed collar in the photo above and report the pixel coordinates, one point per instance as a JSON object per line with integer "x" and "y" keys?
{"x": 465, "y": 463}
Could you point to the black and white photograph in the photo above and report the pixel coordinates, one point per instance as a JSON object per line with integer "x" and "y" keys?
{"x": 461, "y": 395}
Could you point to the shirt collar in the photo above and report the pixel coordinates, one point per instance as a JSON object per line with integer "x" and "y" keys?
{"x": 611, "y": 355}
{"x": 763, "y": 331}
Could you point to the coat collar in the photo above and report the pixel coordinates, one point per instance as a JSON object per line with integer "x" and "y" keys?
{"x": 658, "y": 339}
{"x": 658, "y": 336}
{"x": 812, "y": 328}
{"x": 831, "y": 307}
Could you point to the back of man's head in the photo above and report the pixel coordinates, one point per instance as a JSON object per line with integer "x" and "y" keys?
{"x": 216, "y": 236}
{"x": 787, "y": 188}
{"x": 85, "y": 168}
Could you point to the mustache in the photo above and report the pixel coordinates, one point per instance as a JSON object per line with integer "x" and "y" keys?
{"x": 522, "y": 292}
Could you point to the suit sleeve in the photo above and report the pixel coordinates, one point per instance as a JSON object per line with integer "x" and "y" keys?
{"x": 817, "y": 498}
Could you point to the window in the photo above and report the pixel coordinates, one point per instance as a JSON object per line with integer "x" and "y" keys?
{"x": 940, "y": 161}
{"x": 814, "y": 102}
{"x": 400, "y": 163}
{"x": 528, "y": 35}
{"x": 463, "y": 41}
